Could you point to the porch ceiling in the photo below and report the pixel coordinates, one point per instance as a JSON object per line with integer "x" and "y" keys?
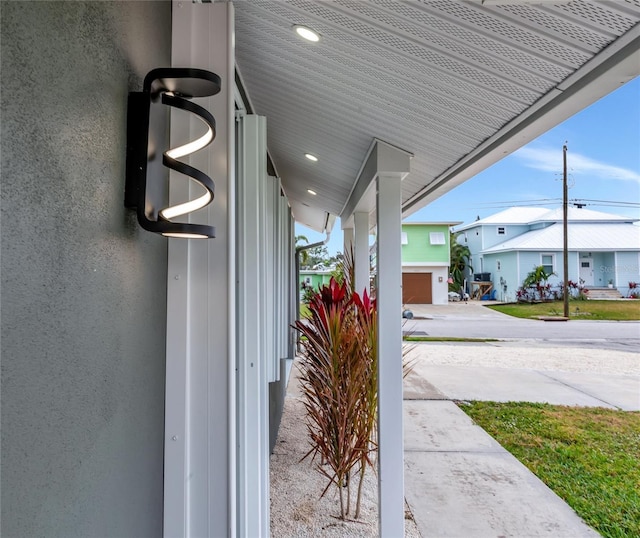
{"x": 459, "y": 84}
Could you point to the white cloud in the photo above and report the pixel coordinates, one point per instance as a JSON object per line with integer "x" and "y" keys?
{"x": 550, "y": 160}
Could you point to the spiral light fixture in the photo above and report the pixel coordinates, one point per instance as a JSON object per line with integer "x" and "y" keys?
{"x": 146, "y": 180}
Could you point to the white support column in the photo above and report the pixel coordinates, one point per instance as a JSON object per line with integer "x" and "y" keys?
{"x": 348, "y": 239}
{"x": 389, "y": 297}
{"x": 361, "y": 251}
{"x": 199, "y": 440}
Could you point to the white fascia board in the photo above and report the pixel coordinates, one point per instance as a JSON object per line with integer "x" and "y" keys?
{"x": 425, "y": 264}
{"x": 556, "y": 249}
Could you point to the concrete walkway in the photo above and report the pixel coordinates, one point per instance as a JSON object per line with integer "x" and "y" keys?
{"x": 459, "y": 482}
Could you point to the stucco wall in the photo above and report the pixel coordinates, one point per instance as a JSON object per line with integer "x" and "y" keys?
{"x": 490, "y": 236}
{"x": 506, "y": 276}
{"x": 83, "y": 287}
{"x": 627, "y": 269}
{"x": 473, "y": 240}
{"x": 604, "y": 268}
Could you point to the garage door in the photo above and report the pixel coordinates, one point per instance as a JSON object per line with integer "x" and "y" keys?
{"x": 416, "y": 288}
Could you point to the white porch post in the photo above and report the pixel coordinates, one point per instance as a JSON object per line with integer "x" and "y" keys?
{"x": 389, "y": 297}
{"x": 361, "y": 251}
{"x": 348, "y": 239}
{"x": 378, "y": 187}
{"x": 199, "y": 442}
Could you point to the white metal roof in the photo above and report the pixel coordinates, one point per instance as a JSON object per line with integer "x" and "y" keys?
{"x": 532, "y": 215}
{"x": 431, "y": 223}
{"x": 576, "y": 214}
{"x": 582, "y": 236}
{"x": 457, "y": 83}
{"x": 513, "y": 215}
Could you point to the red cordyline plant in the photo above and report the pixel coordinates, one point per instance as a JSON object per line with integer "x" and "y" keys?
{"x": 339, "y": 381}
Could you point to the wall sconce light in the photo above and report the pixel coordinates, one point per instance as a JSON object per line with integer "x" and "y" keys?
{"x": 146, "y": 187}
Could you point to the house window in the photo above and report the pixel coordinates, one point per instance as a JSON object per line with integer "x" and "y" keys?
{"x": 436, "y": 238}
{"x": 405, "y": 239}
{"x": 502, "y": 230}
{"x": 497, "y": 265}
{"x": 546, "y": 260}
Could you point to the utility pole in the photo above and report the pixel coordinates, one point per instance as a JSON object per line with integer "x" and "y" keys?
{"x": 565, "y": 232}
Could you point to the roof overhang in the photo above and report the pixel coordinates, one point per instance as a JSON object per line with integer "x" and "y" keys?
{"x": 458, "y": 84}
{"x": 615, "y": 66}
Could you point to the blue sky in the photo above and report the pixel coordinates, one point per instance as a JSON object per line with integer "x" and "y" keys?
{"x": 603, "y": 161}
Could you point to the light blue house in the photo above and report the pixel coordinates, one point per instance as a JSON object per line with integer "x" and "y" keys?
{"x": 604, "y": 249}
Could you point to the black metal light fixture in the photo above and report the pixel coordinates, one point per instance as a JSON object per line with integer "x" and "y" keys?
{"x": 146, "y": 188}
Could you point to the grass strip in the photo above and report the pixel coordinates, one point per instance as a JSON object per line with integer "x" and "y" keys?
{"x": 588, "y": 456}
{"x": 628, "y": 310}
{"x": 410, "y": 338}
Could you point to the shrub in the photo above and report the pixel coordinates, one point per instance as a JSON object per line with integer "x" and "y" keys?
{"x": 339, "y": 383}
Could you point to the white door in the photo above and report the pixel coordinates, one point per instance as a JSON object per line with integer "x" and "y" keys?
{"x": 586, "y": 271}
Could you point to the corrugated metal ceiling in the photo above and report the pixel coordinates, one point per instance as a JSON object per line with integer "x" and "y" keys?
{"x": 438, "y": 78}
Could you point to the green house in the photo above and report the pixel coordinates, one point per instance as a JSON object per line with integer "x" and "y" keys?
{"x": 314, "y": 278}
{"x": 425, "y": 262}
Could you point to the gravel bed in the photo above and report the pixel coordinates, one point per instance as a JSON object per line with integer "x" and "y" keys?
{"x": 517, "y": 355}
{"x": 297, "y": 511}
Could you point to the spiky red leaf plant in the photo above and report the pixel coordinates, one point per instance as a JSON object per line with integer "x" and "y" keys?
{"x": 331, "y": 374}
{"x": 366, "y": 316}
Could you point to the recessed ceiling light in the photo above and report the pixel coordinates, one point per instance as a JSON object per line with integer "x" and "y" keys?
{"x": 307, "y": 33}
{"x": 312, "y": 193}
{"x": 311, "y": 157}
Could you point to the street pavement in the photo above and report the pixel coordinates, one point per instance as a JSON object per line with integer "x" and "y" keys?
{"x": 474, "y": 320}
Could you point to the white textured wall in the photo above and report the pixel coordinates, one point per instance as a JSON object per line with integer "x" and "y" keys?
{"x": 83, "y": 287}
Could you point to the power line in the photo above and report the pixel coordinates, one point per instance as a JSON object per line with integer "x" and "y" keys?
{"x": 612, "y": 202}
{"x": 521, "y": 201}
{"x": 581, "y": 202}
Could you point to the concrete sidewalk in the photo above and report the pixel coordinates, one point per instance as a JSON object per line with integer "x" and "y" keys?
{"x": 459, "y": 482}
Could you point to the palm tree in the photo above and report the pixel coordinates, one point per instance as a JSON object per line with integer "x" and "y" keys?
{"x": 304, "y": 254}
{"x": 537, "y": 279}
{"x": 459, "y": 262}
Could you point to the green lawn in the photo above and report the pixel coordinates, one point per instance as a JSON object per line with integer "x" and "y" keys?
{"x": 410, "y": 338}
{"x": 600, "y": 310}
{"x": 589, "y": 456}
